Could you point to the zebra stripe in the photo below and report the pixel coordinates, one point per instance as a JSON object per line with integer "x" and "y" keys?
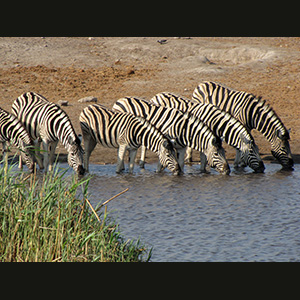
{"x": 184, "y": 128}
{"x": 251, "y": 111}
{"x": 12, "y": 131}
{"x": 47, "y": 121}
{"x": 221, "y": 123}
{"x": 126, "y": 132}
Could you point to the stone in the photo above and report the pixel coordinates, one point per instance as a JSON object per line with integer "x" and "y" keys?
{"x": 63, "y": 102}
{"x": 88, "y": 99}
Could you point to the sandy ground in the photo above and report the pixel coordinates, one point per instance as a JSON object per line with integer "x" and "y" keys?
{"x": 108, "y": 68}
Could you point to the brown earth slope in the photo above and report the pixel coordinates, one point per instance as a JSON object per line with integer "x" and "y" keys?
{"x": 109, "y": 68}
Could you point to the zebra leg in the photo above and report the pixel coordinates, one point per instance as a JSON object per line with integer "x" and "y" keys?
{"x": 159, "y": 167}
{"x": 52, "y": 147}
{"x": 121, "y": 155}
{"x": 89, "y": 146}
{"x": 37, "y": 155}
{"x": 189, "y": 152}
{"x": 132, "y": 155}
{"x": 237, "y": 158}
{"x": 4, "y": 153}
{"x": 143, "y": 157}
{"x": 20, "y": 161}
{"x": 46, "y": 156}
{"x": 181, "y": 153}
{"x": 203, "y": 160}
{"x": 122, "y": 163}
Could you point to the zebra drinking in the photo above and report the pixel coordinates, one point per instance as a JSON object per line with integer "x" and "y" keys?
{"x": 46, "y": 121}
{"x": 125, "y": 132}
{"x": 222, "y": 124}
{"x": 251, "y": 111}
{"x": 11, "y": 130}
{"x": 184, "y": 128}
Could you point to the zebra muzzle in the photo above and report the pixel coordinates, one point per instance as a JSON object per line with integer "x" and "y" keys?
{"x": 80, "y": 170}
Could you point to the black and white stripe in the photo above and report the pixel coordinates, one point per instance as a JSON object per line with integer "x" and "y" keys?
{"x": 47, "y": 122}
{"x": 251, "y": 111}
{"x": 125, "y": 132}
{"x": 12, "y": 131}
{"x": 184, "y": 128}
{"x": 221, "y": 123}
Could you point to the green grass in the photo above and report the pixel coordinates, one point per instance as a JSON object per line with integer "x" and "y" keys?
{"x": 43, "y": 219}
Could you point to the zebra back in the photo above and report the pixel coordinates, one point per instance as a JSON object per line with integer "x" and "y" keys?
{"x": 112, "y": 129}
{"x": 42, "y": 117}
{"x": 46, "y": 120}
{"x": 184, "y": 128}
{"x": 221, "y": 123}
{"x": 252, "y": 112}
{"x": 11, "y": 130}
{"x": 168, "y": 99}
{"x": 161, "y": 117}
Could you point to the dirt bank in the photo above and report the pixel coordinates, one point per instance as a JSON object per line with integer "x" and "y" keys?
{"x": 110, "y": 68}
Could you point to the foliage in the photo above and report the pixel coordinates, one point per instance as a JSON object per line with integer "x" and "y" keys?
{"x": 43, "y": 219}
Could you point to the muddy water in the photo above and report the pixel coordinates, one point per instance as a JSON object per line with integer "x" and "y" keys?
{"x": 206, "y": 217}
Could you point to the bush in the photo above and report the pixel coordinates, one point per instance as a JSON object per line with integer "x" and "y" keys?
{"x": 42, "y": 219}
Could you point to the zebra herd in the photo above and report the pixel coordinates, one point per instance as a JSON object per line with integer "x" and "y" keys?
{"x": 168, "y": 125}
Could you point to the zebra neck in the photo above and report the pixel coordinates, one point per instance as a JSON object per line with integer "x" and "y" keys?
{"x": 197, "y": 134}
{"x": 266, "y": 121}
{"x": 148, "y": 136}
{"x": 64, "y": 131}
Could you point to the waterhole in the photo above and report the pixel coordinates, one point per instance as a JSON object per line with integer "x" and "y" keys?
{"x": 205, "y": 217}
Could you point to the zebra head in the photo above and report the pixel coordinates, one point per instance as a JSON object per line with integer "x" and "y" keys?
{"x": 281, "y": 149}
{"x": 167, "y": 157}
{"x": 250, "y": 155}
{"x": 75, "y": 155}
{"x": 215, "y": 155}
{"x": 27, "y": 156}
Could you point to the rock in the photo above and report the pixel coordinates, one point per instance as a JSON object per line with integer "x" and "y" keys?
{"x": 63, "y": 102}
{"x": 162, "y": 41}
{"x": 88, "y": 99}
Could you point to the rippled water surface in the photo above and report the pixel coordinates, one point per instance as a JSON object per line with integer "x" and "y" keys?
{"x": 206, "y": 217}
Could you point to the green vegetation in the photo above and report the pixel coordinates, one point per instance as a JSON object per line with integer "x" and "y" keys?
{"x": 43, "y": 219}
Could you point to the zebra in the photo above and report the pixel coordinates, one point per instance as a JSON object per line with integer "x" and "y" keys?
{"x": 252, "y": 112}
{"x": 125, "y": 132}
{"x": 184, "y": 128}
{"x": 222, "y": 124}
{"x": 12, "y": 131}
{"x": 48, "y": 123}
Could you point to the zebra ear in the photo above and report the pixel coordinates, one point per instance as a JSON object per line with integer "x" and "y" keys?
{"x": 214, "y": 142}
{"x": 280, "y": 135}
{"x": 77, "y": 140}
{"x": 70, "y": 140}
{"x": 167, "y": 145}
{"x": 173, "y": 142}
{"x": 245, "y": 140}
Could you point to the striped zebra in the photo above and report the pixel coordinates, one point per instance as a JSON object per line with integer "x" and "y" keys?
{"x": 222, "y": 124}
{"x": 125, "y": 132}
{"x": 47, "y": 122}
{"x": 12, "y": 131}
{"x": 184, "y": 128}
{"x": 251, "y": 111}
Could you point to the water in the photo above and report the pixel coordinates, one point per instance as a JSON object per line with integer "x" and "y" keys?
{"x": 205, "y": 217}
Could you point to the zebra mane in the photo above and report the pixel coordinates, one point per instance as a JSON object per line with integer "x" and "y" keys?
{"x": 24, "y": 136}
{"x": 267, "y": 108}
{"x": 149, "y": 125}
{"x": 264, "y": 106}
{"x": 64, "y": 140}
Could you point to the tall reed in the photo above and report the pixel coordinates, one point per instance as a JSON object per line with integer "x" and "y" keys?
{"x": 42, "y": 218}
